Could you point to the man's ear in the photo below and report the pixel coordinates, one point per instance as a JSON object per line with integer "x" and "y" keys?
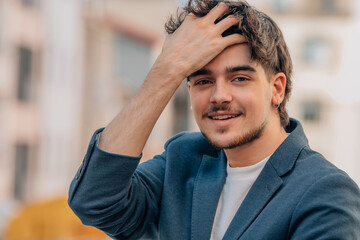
{"x": 278, "y": 84}
{"x": 188, "y": 84}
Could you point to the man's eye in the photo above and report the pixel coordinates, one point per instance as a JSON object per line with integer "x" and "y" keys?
{"x": 202, "y": 82}
{"x": 240, "y": 79}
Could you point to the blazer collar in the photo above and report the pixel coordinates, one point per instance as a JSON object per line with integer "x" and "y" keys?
{"x": 285, "y": 156}
{"x": 269, "y": 180}
{"x": 207, "y": 190}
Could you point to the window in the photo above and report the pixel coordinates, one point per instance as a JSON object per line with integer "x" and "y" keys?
{"x": 181, "y": 3}
{"x": 24, "y": 74}
{"x": 181, "y": 109}
{"x": 328, "y": 5}
{"x": 131, "y": 61}
{"x": 21, "y": 168}
{"x": 317, "y": 52}
{"x": 280, "y": 5}
{"x": 284, "y": 6}
{"x": 312, "y": 111}
{"x": 28, "y": 3}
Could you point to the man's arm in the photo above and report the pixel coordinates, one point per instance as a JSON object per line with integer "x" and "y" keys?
{"x": 194, "y": 44}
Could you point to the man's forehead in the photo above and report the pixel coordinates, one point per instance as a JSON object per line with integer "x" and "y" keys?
{"x": 232, "y": 59}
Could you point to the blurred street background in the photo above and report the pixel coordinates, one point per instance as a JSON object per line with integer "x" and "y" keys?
{"x": 68, "y": 66}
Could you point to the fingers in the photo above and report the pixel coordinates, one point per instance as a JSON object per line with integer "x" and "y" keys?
{"x": 214, "y": 15}
{"x": 217, "y": 11}
{"x": 226, "y": 23}
{"x": 234, "y": 39}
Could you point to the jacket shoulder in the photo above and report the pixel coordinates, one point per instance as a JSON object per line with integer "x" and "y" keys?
{"x": 317, "y": 163}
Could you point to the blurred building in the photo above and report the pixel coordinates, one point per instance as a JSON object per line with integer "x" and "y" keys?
{"x": 21, "y": 45}
{"x": 41, "y": 92}
{"x": 40, "y": 98}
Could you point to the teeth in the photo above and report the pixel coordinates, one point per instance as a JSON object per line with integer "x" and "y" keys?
{"x": 223, "y": 117}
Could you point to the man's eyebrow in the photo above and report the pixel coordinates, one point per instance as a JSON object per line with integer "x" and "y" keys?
{"x": 200, "y": 72}
{"x": 205, "y": 71}
{"x": 240, "y": 68}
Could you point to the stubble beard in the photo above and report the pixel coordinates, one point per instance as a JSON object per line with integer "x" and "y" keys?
{"x": 250, "y": 136}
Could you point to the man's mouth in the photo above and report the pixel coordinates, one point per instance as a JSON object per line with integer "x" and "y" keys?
{"x": 223, "y": 117}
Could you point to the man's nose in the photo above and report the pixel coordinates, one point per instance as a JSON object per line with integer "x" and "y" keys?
{"x": 221, "y": 93}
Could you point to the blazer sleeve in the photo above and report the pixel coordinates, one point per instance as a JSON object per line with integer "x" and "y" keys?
{"x": 330, "y": 209}
{"x": 109, "y": 192}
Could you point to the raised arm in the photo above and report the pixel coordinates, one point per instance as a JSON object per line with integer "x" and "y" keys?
{"x": 194, "y": 44}
{"x": 109, "y": 191}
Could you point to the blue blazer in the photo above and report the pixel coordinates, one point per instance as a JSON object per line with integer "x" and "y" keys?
{"x": 298, "y": 194}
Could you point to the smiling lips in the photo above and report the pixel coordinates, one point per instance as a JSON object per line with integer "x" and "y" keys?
{"x": 223, "y": 117}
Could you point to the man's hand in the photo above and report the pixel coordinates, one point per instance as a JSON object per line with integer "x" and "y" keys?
{"x": 198, "y": 40}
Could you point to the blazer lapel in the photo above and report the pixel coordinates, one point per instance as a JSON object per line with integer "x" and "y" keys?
{"x": 259, "y": 195}
{"x": 207, "y": 189}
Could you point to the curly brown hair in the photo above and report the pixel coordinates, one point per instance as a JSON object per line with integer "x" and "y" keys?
{"x": 264, "y": 37}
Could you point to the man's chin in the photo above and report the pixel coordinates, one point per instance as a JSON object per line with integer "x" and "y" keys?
{"x": 237, "y": 141}
{"x": 224, "y": 145}
{"x": 221, "y": 143}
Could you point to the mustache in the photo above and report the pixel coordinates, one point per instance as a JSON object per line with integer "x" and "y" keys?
{"x": 225, "y": 108}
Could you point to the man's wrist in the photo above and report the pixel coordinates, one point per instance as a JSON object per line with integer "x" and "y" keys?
{"x": 170, "y": 70}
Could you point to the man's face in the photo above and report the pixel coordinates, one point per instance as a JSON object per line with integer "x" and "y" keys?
{"x": 231, "y": 98}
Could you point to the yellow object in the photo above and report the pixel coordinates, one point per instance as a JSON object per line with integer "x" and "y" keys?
{"x": 50, "y": 220}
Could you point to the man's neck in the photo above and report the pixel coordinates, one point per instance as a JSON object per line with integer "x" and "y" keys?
{"x": 257, "y": 150}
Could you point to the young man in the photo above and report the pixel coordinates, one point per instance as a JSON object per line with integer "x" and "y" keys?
{"x": 249, "y": 174}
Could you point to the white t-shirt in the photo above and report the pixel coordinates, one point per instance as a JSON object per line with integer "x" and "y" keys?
{"x": 237, "y": 185}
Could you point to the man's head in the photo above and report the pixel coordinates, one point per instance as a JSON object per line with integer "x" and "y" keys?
{"x": 265, "y": 40}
